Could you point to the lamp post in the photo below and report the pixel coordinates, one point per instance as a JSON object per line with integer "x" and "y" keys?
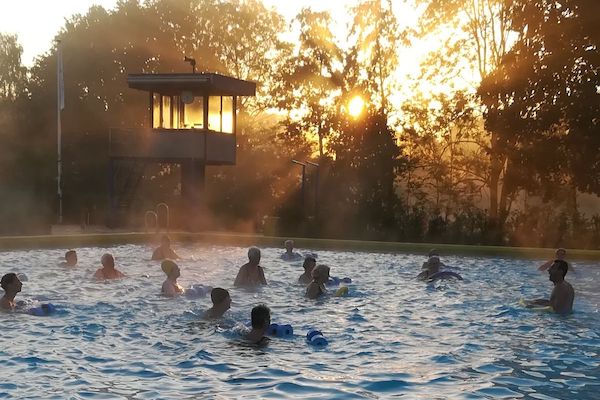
{"x": 316, "y": 209}
{"x": 303, "y": 181}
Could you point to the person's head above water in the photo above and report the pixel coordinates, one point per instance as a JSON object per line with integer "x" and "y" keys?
{"x": 289, "y": 245}
{"x": 10, "y": 283}
{"x": 108, "y": 261}
{"x": 261, "y": 317}
{"x": 560, "y": 253}
{"x": 309, "y": 263}
{"x": 320, "y": 273}
{"x": 171, "y": 269}
{"x": 220, "y": 297}
{"x": 432, "y": 253}
{"x": 254, "y": 255}
{"x": 433, "y": 263}
{"x": 558, "y": 271}
{"x": 71, "y": 258}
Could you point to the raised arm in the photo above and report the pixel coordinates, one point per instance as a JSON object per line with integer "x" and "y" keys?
{"x": 545, "y": 266}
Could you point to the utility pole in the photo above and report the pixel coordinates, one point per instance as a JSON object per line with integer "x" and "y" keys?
{"x": 303, "y": 183}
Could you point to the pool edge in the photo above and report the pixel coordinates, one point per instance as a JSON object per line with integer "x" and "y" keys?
{"x": 8, "y": 243}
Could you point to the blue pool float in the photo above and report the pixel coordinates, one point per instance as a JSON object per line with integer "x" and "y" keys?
{"x": 43, "y": 310}
{"x": 196, "y": 291}
{"x": 280, "y": 330}
{"x": 316, "y": 338}
{"x": 334, "y": 281}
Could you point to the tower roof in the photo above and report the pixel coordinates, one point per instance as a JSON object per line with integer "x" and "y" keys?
{"x": 199, "y": 84}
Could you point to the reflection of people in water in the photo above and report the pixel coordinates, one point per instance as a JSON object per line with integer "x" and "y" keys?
{"x": 11, "y": 285}
{"x": 251, "y": 274}
{"x": 290, "y": 254}
{"x": 221, "y": 303}
{"x": 559, "y": 254}
{"x": 108, "y": 270}
{"x": 165, "y": 250}
{"x": 261, "y": 320}
{"x": 170, "y": 287}
{"x": 71, "y": 258}
{"x": 320, "y": 276}
{"x": 563, "y": 294}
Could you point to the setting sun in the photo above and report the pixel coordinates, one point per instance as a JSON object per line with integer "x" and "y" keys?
{"x": 356, "y": 106}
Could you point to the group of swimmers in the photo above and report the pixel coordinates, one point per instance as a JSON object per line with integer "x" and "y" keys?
{"x": 561, "y": 298}
{"x": 314, "y": 277}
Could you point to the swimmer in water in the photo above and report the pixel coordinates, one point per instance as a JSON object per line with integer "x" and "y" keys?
{"x": 432, "y": 253}
{"x": 261, "y": 320}
{"x": 71, "y": 258}
{"x": 108, "y": 270}
{"x": 563, "y": 294}
{"x": 11, "y": 284}
{"x": 290, "y": 254}
{"x": 221, "y": 303}
{"x": 170, "y": 287}
{"x": 432, "y": 266}
{"x": 309, "y": 265}
{"x": 251, "y": 274}
{"x": 164, "y": 251}
{"x": 559, "y": 254}
{"x": 320, "y": 276}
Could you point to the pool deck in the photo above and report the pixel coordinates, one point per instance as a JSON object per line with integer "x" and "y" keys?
{"x": 67, "y": 241}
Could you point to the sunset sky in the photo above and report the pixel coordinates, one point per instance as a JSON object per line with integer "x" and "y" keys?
{"x": 37, "y": 29}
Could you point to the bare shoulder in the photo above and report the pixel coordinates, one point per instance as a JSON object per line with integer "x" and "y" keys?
{"x": 569, "y": 287}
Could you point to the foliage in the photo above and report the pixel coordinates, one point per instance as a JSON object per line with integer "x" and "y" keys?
{"x": 535, "y": 65}
{"x": 544, "y": 98}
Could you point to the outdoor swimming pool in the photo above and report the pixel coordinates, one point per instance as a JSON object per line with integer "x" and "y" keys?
{"x": 393, "y": 336}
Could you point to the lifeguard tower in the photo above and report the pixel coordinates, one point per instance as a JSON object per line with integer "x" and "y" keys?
{"x": 191, "y": 122}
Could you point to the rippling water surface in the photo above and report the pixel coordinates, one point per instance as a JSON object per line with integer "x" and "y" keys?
{"x": 392, "y": 337}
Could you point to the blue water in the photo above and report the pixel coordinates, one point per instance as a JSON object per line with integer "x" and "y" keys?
{"x": 392, "y": 337}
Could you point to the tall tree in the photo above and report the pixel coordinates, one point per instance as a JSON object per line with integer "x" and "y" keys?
{"x": 377, "y": 38}
{"x": 12, "y": 72}
{"x": 483, "y": 36}
{"x": 544, "y": 96}
{"x": 309, "y": 82}
{"x": 446, "y": 150}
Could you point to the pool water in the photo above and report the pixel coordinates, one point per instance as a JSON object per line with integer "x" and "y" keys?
{"x": 392, "y": 336}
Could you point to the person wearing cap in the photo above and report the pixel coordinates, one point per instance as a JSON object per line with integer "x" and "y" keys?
{"x": 170, "y": 287}
{"x": 559, "y": 254}
{"x": 290, "y": 254}
{"x": 11, "y": 284}
{"x": 309, "y": 265}
{"x": 251, "y": 274}
{"x": 316, "y": 288}
{"x": 71, "y": 258}
{"x": 108, "y": 270}
{"x": 164, "y": 251}
{"x": 221, "y": 303}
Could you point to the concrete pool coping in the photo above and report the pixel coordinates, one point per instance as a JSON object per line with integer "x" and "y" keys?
{"x": 238, "y": 239}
